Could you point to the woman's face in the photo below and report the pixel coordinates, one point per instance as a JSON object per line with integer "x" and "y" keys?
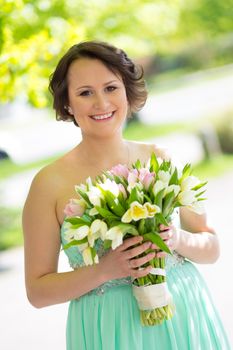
{"x": 97, "y": 97}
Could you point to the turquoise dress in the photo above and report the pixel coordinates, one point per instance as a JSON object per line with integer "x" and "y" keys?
{"x": 107, "y": 318}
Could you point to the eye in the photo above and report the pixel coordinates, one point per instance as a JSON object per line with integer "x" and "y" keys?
{"x": 111, "y": 88}
{"x": 85, "y": 93}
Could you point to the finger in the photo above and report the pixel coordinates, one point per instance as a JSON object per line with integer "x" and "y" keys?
{"x": 161, "y": 255}
{"x": 154, "y": 246}
{"x": 141, "y": 272}
{"x": 163, "y": 227}
{"x": 166, "y": 234}
{"x": 131, "y": 253}
{"x": 141, "y": 261}
{"x": 129, "y": 242}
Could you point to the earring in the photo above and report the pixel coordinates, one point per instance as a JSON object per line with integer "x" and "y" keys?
{"x": 69, "y": 109}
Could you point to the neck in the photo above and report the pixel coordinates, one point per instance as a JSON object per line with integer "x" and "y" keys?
{"x": 104, "y": 152}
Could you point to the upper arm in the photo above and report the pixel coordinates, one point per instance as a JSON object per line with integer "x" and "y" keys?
{"x": 193, "y": 222}
{"x": 161, "y": 152}
{"x": 41, "y": 229}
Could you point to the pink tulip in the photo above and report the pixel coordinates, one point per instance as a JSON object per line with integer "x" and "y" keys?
{"x": 74, "y": 208}
{"x": 122, "y": 190}
{"x": 132, "y": 177}
{"x": 120, "y": 170}
{"x": 146, "y": 177}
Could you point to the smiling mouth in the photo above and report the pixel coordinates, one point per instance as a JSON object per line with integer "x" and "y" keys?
{"x": 102, "y": 116}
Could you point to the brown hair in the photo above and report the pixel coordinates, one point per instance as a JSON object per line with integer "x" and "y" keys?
{"x": 114, "y": 59}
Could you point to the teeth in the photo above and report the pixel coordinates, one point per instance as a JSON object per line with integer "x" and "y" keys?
{"x": 103, "y": 116}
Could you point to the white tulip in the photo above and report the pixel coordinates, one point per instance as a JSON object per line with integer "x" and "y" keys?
{"x": 99, "y": 228}
{"x": 95, "y": 195}
{"x": 175, "y": 188}
{"x": 83, "y": 246}
{"x": 87, "y": 256}
{"x": 189, "y": 182}
{"x": 69, "y": 235}
{"x": 89, "y": 182}
{"x": 111, "y": 186}
{"x": 151, "y": 209}
{"x": 187, "y": 197}
{"x": 93, "y": 211}
{"x": 115, "y": 235}
{"x": 158, "y": 186}
{"x": 164, "y": 176}
{"x": 81, "y": 232}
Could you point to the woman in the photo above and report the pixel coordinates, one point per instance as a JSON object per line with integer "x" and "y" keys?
{"x": 97, "y": 86}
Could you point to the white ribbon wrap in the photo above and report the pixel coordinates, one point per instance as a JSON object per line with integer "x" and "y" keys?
{"x": 158, "y": 271}
{"x": 153, "y": 296}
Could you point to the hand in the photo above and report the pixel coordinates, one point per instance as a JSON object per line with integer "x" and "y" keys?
{"x": 170, "y": 235}
{"x": 123, "y": 262}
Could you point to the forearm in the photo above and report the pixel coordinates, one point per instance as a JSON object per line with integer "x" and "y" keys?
{"x": 202, "y": 248}
{"x": 56, "y": 288}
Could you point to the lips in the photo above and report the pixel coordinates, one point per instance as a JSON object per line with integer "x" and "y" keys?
{"x": 101, "y": 117}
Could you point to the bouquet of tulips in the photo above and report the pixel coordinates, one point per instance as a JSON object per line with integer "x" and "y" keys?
{"x": 129, "y": 201}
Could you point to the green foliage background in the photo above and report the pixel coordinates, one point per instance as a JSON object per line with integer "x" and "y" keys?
{"x": 34, "y": 34}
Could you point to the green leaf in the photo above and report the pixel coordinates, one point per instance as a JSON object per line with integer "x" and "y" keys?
{"x": 107, "y": 244}
{"x": 84, "y": 196}
{"x": 137, "y": 164}
{"x": 150, "y": 224}
{"x": 134, "y": 196}
{"x": 161, "y": 219}
{"x": 122, "y": 201}
{"x": 174, "y": 178}
{"x": 154, "y": 164}
{"x": 93, "y": 253}
{"x": 79, "y": 221}
{"x": 156, "y": 239}
{"x": 185, "y": 172}
{"x": 112, "y": 202}
{"x": 74, "y": 243}
{"x": 199, "y": 194}
{"x": 166, "y": 164}
{"x": 147, "y": 198}
{"x": 105, "y": 213}
{"x": 159, "y": 198}
{"x": 201, "y": 199}
{"x": 168, "y": 203}
{"x": 141, "y": 226}
{"x": 114, "y": 223}
{"x": 128, "y": 228}
{"x": 195, "y": 188}
{"x": 86, "y": 218}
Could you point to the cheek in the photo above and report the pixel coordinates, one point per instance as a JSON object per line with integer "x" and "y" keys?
{"x": 123, "y": 101}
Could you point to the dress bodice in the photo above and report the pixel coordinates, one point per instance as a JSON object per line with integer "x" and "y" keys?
{"x": 76, "y": 260}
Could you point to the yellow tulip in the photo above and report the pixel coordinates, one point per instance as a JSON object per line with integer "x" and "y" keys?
{"x": 135, "y": 212}
{"x": 152, "y": 209}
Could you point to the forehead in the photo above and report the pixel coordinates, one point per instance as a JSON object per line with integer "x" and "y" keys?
{"x": 86, "y": 71}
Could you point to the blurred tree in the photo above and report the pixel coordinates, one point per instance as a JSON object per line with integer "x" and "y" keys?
{"x": 35, "y": 33}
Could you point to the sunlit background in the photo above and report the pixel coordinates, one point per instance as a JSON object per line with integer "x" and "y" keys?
{"x": 186, "y": 50}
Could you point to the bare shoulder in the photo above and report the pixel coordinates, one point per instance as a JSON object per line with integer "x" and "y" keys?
{"x": 49, "y": 176}
{"x": 145, "y": 149}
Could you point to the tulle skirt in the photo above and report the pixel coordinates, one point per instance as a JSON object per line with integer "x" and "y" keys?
{"x": 111, "y": 321}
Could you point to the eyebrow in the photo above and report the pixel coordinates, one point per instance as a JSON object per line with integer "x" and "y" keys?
{"x": 89, "y": 86}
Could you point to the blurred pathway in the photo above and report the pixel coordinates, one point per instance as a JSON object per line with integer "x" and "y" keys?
{"x": 204, "y": 93}
{"x": 23, "y": 327}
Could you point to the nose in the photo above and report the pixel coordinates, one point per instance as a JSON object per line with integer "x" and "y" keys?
{"x": 101, "y": 102}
